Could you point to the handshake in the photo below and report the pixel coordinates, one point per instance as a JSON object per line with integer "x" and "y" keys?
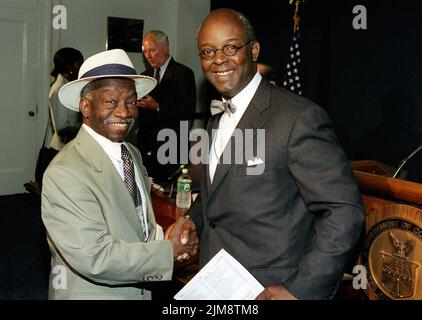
{"x": 183, "y": 237}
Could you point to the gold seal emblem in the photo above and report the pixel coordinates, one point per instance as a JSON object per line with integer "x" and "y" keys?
{"x": 392, "y": 253}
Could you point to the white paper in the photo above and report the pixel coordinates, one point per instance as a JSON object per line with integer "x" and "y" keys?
{"x": 222, "y": 278}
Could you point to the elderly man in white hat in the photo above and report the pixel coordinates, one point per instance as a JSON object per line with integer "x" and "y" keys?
{"x": 96, "y": 206}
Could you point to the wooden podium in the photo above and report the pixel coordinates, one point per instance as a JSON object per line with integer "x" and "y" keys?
{"x": 379, "y": 189}
{"x": 392, "y": 249}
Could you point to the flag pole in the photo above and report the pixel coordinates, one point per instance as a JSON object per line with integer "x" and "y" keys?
{"x": 296, "y": 17}
{"x": 293, "y": 74}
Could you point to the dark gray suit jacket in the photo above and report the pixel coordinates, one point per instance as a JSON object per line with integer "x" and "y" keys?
{"x": 176, "y": 94}
{"x": 295, "y": 224}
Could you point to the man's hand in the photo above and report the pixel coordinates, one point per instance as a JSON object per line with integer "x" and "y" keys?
{"x": 277, "y": 292}
{"x": 148, "y": 102}
{"x": 183, "y": 237}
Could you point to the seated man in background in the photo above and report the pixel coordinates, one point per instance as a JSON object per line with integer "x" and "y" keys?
{"x": 172, "y": 100}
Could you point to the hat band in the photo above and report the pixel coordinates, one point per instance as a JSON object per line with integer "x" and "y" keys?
{"x": 109, "y": 69}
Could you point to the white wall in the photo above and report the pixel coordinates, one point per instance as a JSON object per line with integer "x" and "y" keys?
{"x": 179, "y": 19}
{"x": 190, "y": 16}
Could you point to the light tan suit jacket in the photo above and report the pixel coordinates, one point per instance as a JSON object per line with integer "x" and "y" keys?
{"x": 95, "y": 237}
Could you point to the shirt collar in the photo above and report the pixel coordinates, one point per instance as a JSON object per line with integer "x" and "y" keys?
{"x": 163, "y": 68}
{"x": 244, "y": 97}
{"x": 57, "y": 84}
{"x": 61, "y": 79}
{"x": 112, "y": 149}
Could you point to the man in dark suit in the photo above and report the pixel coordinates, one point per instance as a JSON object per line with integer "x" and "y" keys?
{"x": 291, "y": 212}
{"x": 172, "y": 101}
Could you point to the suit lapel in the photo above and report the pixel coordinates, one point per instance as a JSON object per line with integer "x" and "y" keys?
{"x": 251, "y": 119}
{"x": 169, "y": 71}
{"x": 107, "y": 175}
{"x": 124, "y": 200}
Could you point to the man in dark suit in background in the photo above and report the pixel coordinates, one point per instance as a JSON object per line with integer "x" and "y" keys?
{"x": 292, "y": 214}
{"x": 173, "y": 100}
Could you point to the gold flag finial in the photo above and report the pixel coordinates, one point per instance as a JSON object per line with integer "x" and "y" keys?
{"x": 296, "y": 17}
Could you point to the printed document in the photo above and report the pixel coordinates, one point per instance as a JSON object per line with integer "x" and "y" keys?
{"x": 222, "y": 278}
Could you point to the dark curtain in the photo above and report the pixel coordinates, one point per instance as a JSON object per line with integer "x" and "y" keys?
{"x": 369, "y": 80}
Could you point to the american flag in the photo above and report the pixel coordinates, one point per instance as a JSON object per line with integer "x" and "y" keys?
{"x": 293, "y": 74}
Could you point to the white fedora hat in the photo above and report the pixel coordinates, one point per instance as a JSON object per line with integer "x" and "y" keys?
{"x": 106, "y": 64}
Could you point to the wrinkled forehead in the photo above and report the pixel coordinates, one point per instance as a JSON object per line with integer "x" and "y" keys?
{"x": 222, "y": 25}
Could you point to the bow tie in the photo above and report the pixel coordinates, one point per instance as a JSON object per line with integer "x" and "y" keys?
{"x": 218, "y": 106}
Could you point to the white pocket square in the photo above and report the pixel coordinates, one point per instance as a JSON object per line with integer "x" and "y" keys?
{"x": 255, "y": 162}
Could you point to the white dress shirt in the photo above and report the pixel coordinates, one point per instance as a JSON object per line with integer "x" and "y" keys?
{"x": 229, "y": 121}
{"x": 113, "y": 150}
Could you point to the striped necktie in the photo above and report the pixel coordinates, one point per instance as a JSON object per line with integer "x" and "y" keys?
{"x": 130, "y": 182}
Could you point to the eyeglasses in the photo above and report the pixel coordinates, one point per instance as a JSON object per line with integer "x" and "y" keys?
{"x": 229, "y": 50}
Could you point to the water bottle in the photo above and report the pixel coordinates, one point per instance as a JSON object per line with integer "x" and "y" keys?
{"x": 184, "y": 190}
